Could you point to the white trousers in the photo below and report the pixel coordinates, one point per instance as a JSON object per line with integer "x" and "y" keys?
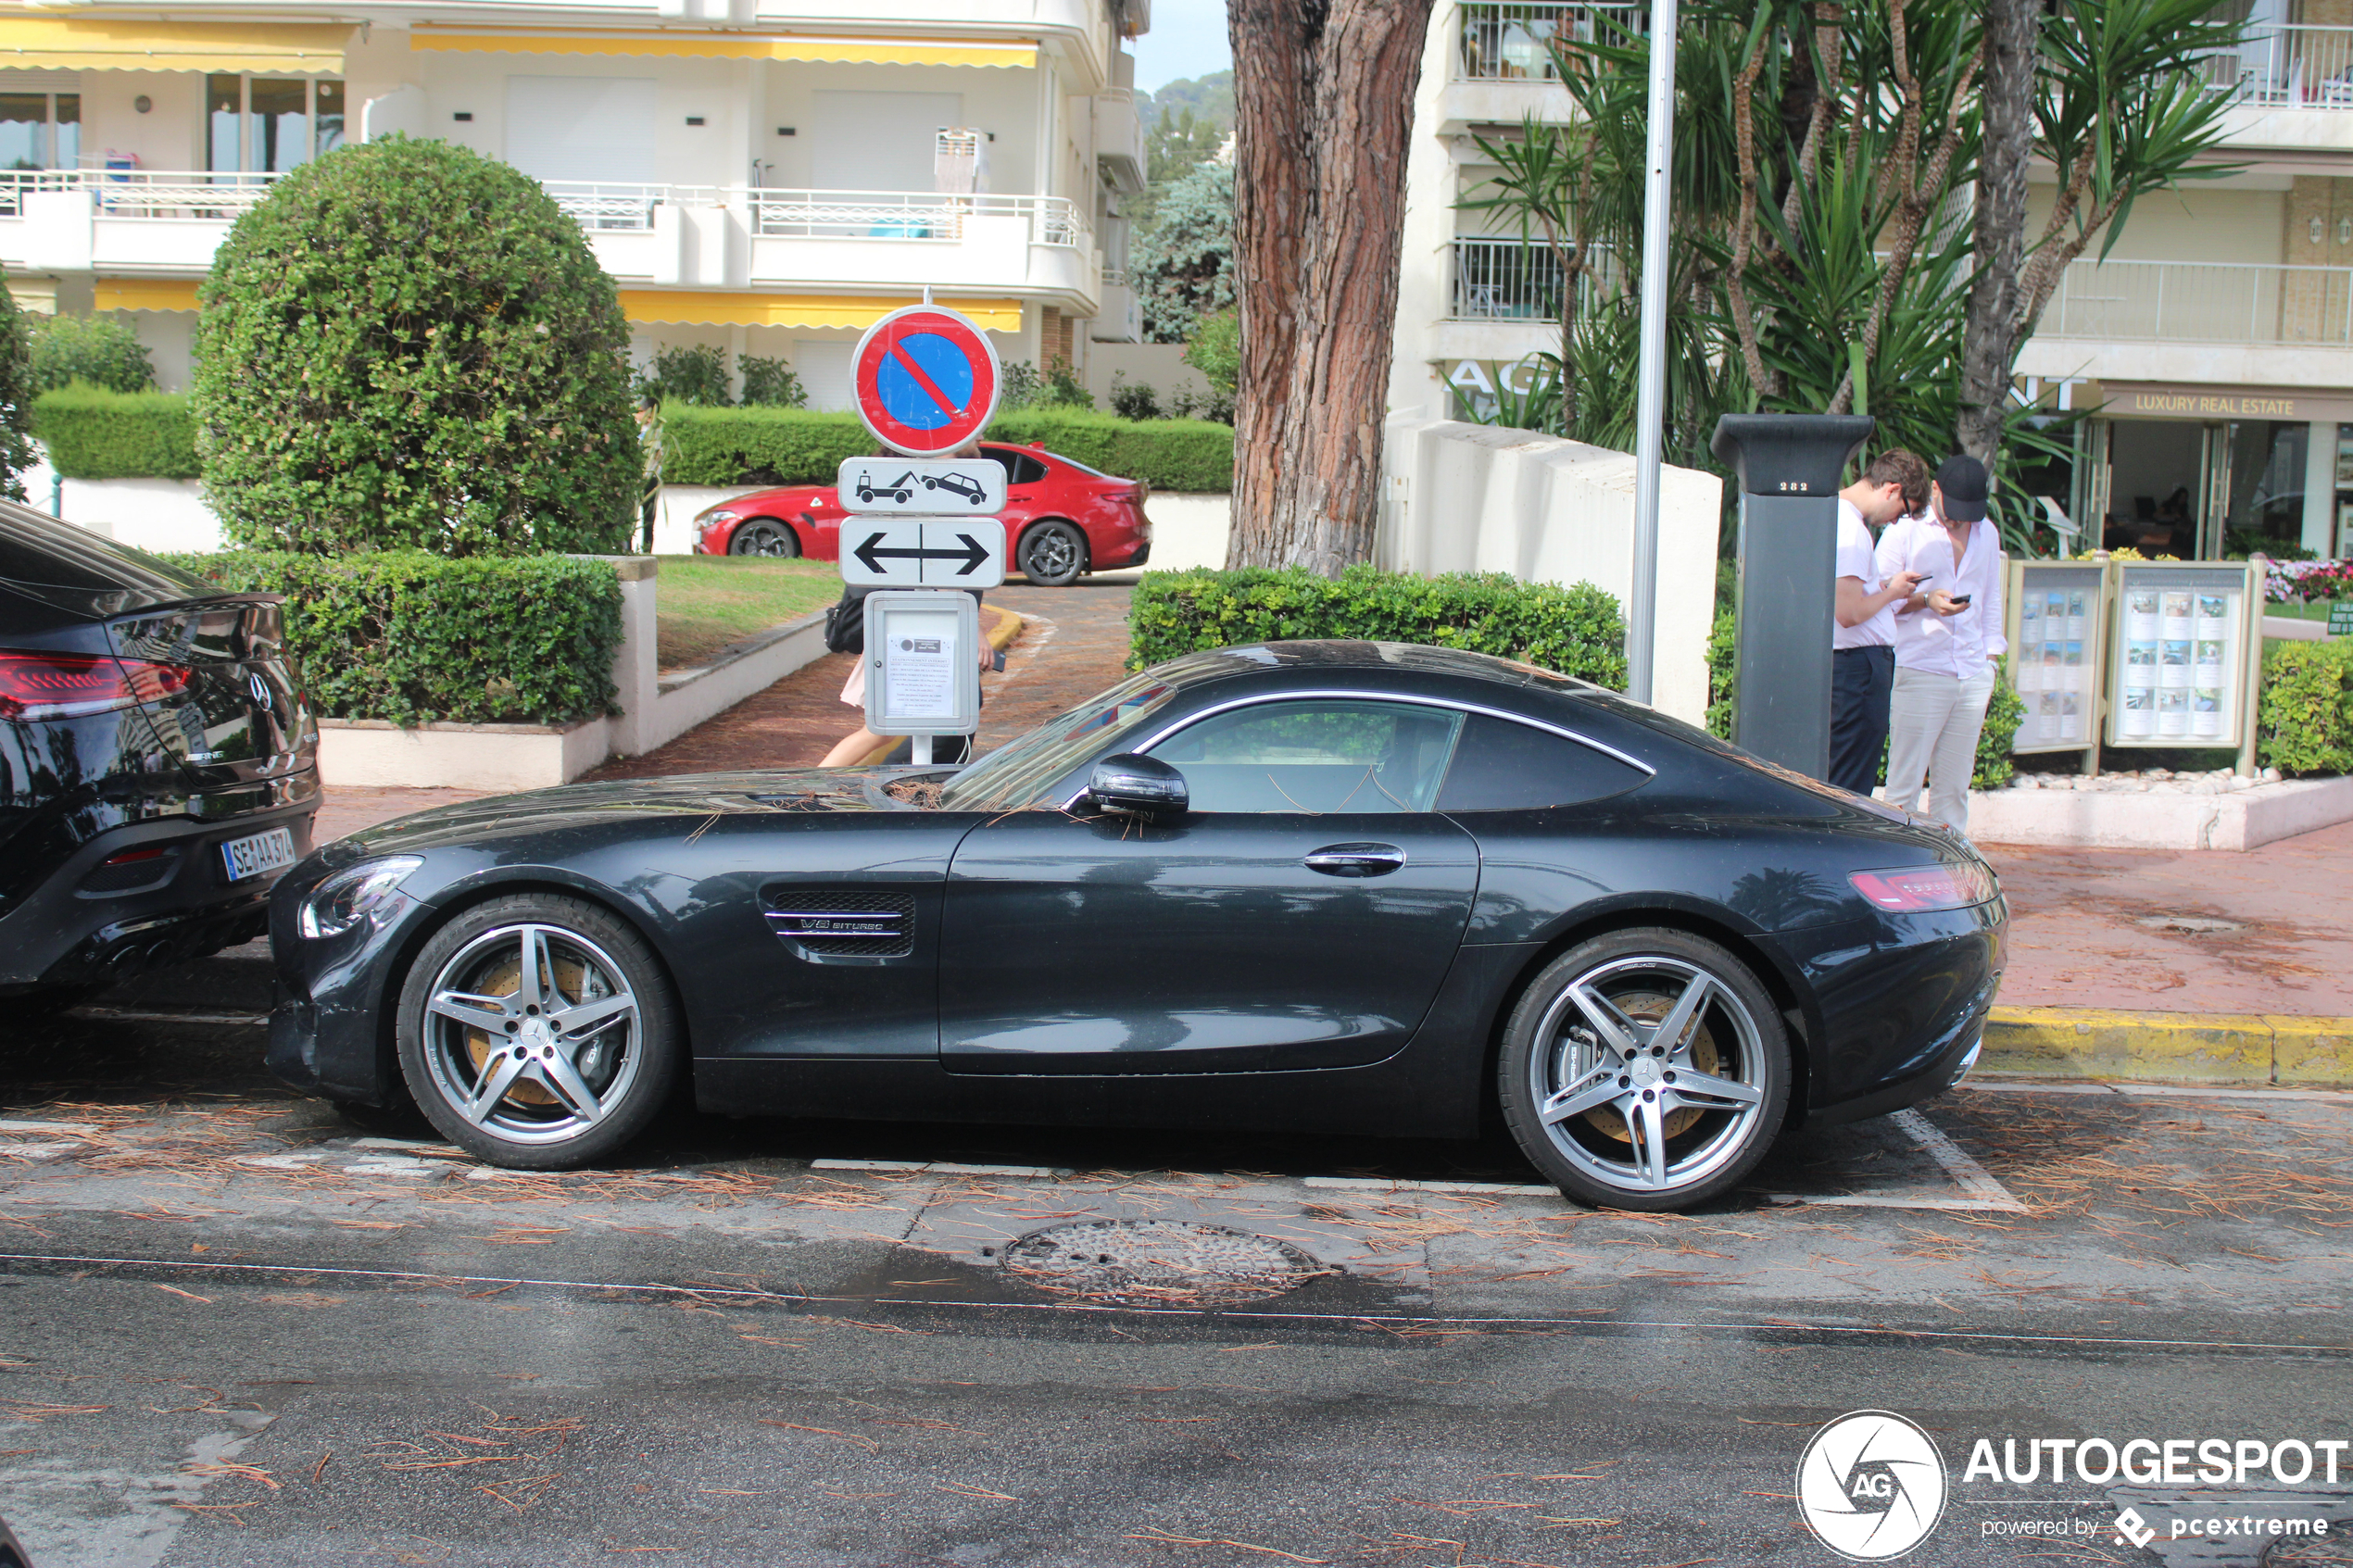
{"x": 1932, "y": 725}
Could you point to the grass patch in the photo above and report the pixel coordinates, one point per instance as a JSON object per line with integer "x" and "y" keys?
{"x": 2318, "y": 611}
{"x": 707, "y": 602}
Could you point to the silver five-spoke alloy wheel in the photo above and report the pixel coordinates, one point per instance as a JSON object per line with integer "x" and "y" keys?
{"x": 537, "y": 1032}
{"x": 1646, "y": 1069}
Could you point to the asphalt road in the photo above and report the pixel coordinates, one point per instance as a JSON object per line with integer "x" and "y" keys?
{"x": 234, "y": 1330}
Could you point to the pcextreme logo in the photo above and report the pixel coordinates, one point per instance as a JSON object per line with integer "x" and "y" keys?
{"x": 1872, "y": 1485}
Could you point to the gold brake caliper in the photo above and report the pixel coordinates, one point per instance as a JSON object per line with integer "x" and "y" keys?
{"x": 571, "y": 978}
{"x": 1649, "y": 1007}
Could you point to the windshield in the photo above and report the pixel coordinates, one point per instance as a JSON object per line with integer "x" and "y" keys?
{"x": 1013, "y": 776}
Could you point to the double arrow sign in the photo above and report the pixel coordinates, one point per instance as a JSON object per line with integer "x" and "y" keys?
{"x": 883, "y": 546}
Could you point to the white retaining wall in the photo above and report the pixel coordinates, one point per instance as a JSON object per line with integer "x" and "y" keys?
{"x": 1467, "y": 498}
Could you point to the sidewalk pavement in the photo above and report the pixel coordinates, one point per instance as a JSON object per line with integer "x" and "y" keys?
{"x": 2202, "y": 966}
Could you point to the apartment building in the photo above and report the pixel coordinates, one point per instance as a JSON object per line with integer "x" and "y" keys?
{"x": 768, "y": 176}
{"x": 2216, "y": 340}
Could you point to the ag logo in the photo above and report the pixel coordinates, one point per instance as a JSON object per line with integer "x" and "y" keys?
{"x": 1871, "y": 1485}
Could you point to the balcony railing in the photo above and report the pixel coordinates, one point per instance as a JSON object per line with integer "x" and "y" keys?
{"x": 2288, "y": 65}
{"x": 1515, "y": 280}
{"x": 195, "y": 196}
{"x": 2202, "y": 302}
{"x": 900, "y": 215}
{"x": 141, "y": 193}
{"x": 1512, "y": 40}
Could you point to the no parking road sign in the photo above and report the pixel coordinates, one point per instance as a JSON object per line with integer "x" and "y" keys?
{"x": 926, "y": 380}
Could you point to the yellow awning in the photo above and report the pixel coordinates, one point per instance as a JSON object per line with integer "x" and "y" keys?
{"x": 814, "y": 49}
{"x": 712, "y": 308}
{"x": 102, "y": 43}
{"x": 145, "y": 294}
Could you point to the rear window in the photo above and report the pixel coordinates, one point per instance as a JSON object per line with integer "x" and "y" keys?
{"x": 1503, "y": 766}
{"x": 1020, "y": 467}
{"x": 58, "y": 562}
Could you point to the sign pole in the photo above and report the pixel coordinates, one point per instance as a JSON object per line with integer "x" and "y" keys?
{"x": 1650, "y": 398}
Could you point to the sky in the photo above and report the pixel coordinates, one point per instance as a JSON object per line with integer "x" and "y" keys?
{"x": 1188, "y": 39}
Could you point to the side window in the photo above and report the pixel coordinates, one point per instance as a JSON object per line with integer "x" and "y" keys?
{"x": 1502, "y": 765}
{"x": 1319, "y": 757}
{"x": 1020, "y": 467}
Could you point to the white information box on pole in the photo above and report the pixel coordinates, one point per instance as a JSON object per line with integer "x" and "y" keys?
{"x": 923, "y": 663}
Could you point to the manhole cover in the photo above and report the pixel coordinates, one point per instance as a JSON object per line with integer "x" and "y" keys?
{"x": 2196, "y": 925}
{"x": 1154, "y": 1262}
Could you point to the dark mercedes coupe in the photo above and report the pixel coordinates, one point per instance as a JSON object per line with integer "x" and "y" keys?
{"x": 1327, "y": 886}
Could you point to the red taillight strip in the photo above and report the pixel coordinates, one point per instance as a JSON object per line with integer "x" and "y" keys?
{"x": 40, "y": 684}
{"x": 1952, "y": 885}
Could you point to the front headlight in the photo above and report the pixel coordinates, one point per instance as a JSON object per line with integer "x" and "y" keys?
{"x": 345, "y": 900}
{"x": 716, "y": 514}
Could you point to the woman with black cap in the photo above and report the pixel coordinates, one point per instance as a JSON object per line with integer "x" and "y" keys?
{"x": 1948, "y": 641}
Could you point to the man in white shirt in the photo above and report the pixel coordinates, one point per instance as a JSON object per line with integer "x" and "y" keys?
{"x": 1948, "y": 638}
{"x": 1863, "y": 642}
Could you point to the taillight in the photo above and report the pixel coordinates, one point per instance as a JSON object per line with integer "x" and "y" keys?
{"x": 69, "y": 685}
{"x": 1913, "y": 889}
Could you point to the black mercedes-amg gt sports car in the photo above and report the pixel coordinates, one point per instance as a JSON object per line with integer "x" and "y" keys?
{"x": 1333, "y": 885}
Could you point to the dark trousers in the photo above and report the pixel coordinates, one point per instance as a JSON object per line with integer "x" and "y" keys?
{"x": 1862, "y": 680}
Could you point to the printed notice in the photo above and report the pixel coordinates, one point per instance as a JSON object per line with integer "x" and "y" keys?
{"x": 922, "y": 669}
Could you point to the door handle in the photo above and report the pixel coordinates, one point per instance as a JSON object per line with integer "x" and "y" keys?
{"x": 1355, "y": 859}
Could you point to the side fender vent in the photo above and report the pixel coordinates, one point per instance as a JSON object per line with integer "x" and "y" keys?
{"x": 834, "y": 923}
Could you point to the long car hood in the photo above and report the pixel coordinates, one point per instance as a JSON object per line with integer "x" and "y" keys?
{"x": 692, "y": 794}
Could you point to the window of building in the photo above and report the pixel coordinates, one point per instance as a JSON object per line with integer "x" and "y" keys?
{"x": 40, "y": 130}
{"x": 268, "y": 125}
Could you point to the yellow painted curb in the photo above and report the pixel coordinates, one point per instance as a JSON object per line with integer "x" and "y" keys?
{"x": 1001, "y": 637}
{"x": 2175, "y": 1046}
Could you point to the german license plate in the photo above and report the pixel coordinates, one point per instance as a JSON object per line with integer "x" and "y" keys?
{"x": 262, "y": 852}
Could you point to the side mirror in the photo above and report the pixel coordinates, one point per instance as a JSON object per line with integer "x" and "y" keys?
{"x": 1137, "y": 786}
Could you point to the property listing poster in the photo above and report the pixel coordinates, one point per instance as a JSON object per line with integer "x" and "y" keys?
{"x": 2055, "y": 662}
{"x": 2179, "y": 646}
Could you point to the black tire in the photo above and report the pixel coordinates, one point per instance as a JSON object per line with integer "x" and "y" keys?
{"x": 1053, "y": 555}
{"x": 1588, "y": 1089}
{"x": 498, "y": 1066}
{"x": 765, "y": 536}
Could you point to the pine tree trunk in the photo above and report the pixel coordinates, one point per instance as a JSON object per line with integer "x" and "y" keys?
{"x": 1991, "y": 332}
{"x": 1324, "y": 106}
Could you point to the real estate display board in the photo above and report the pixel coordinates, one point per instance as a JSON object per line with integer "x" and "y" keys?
{"x": 2055, "y": 618}
{"x": 2183, "y": 639}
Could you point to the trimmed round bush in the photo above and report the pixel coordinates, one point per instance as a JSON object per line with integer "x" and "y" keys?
{"x": 408, "y": 345}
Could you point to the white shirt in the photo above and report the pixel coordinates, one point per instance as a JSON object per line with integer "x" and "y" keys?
{"x": 1856, "y": 558}
{"x": 1961, "y": 645}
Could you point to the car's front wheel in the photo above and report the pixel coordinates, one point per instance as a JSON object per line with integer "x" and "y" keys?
{"x": 765, "y": 536}
{"x": 1647, "y": 1069}
{"x": 538, "y": 1032}
{"x": 1053, "y": 554}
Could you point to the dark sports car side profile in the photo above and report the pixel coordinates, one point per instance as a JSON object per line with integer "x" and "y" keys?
{"x": 1318, "y": 885}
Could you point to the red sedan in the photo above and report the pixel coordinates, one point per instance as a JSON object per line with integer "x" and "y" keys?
{"x": 1062, "y": 518}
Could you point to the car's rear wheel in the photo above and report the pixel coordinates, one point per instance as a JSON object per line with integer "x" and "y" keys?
{"x": 538, "y": 1032}
{"x": 1053, "y": 554}
{"x": 765, "y": 536}
{"x": 1647, "y": 1069}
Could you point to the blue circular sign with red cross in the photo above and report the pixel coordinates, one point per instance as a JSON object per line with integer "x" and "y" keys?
{"x": 926, "y": 380}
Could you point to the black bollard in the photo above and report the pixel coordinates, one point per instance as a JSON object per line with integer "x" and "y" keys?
{"x": 1788, "y": 467}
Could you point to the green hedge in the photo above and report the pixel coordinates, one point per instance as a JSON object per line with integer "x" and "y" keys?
{"x": 1995, "y": 767}
{"x": 414, "y": 637}
{"x": 93, "y": 434}
{"x": 2305, "y": 724}
{"x": 1576, "y": 630}
{"x": 795, "y": 446}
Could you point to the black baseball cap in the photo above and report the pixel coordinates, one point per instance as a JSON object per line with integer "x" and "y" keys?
{"x": 1962, "y": 479}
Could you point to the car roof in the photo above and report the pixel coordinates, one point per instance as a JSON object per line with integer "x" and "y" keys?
{"x": 1340, "y": 658}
